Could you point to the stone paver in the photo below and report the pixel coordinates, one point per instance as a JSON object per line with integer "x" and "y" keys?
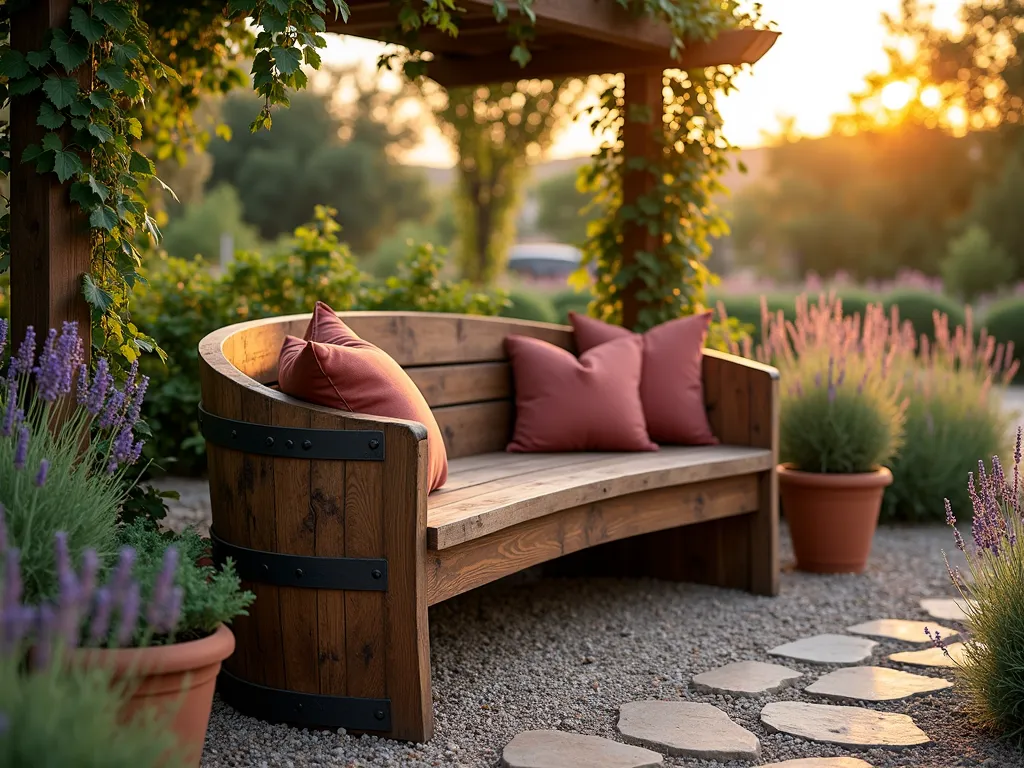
{"x": 874, "y": 684}
{"x": 827, "y": 649}
{"x": 901, "y": 629}
{"x": 931, "y": 657}
{"x": 746, "y": 678}
{"x": 846, "y": 726}
{"x": 557, "y": 749}
{"x": 821, "y": 762}
{"x": 946, "y": 608}
{"x": 687, "y": 729}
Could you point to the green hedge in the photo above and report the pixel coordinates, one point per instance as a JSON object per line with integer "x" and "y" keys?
{"x": 529, "y": 305}
{"x": 918, "y": 307}
{"x": 568, "y": 301}
{"x": 1005, "y": 321}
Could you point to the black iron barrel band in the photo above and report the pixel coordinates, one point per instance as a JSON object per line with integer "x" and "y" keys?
{"x": 313, "y": 710}
{"x": 292, "y": 442}
{"x": 358, "y": 574}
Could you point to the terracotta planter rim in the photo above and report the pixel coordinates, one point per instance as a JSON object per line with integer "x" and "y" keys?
{"x": 165, "y": 659}
{"x": 880, "y": 477}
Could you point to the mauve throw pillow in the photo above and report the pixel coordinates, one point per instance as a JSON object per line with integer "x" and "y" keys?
{"x": 671, "y": 387}
{"x": 589, "y": 404}
{"x": 336, "y": 368}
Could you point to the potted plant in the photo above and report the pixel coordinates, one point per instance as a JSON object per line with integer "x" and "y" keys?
{"x": 841, "y": 420}
{"x": 67, "y": 439}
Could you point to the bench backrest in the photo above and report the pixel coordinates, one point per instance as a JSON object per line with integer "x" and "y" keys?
{"x": 457, "y": 361}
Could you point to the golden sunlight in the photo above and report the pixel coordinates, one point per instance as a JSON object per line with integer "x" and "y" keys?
{"x": 896, "y": 95}
{"x": 930, "y": 97}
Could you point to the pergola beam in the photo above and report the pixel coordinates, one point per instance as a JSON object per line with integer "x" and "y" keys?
{"x": 735, "y": 47}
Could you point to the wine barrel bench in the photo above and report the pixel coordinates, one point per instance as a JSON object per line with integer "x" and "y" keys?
{"x": 326, "y": 515}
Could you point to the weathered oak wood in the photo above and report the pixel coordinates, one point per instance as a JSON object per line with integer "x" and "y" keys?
{"x": 475, "y": 427}
{"x": 478, "y": 561}
{"x": 458, "y": 384}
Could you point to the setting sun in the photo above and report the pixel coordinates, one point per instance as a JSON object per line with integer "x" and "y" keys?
{"x": 897, "y": 95}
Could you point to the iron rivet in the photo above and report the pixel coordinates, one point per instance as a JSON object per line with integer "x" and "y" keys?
{"x": 376, "y": 573}
{"x": 374, "y": 445}
{"x": 298, "y": 573}
{"x": 307, "y": 444}
{"x": 379, "y": 714}
{"x": 270, "y": 442}
{"x": 265, "y": 568}
{"x": 234, "y": 433}
{"x": 289, "y": 443}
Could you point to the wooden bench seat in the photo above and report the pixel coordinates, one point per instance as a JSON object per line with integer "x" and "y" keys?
{"x": 327, "y": 517}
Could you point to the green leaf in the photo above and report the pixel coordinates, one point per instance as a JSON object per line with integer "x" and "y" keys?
{"x": 166, "y": 188}
{"x": 126, "y": 54}
{"x": 66, "y": 164}
{"x": 520, "y": 55}
{"x": 80, "y": 193}
{"x": 101, "y": 99}
{"x": 111, "y": 74}
{"x": 134, "y": 127}
{"x": 89, "y": 28}
{"x": 312, "y": 57}
{"x": 24, "y": 85}
{"x": 103, "y": 217}
{"x": 5, "y": 261}
{"x": 139, "y": 163}
{"x": 94, "y": 295}
{"x": 98, "y": 188}
{"x": 49, "y": 117}
{"x": 31, "y": 153}
{"x": 113, "y": 15}
{"x": 61, "y": 90}
{"x": 52, "y": 142}
{"x": 101, "y": 132}
{"x": 13, "y": 64}
{"x": 37, "y": 59}
{"x": 70, "y": 52}
{"x": 81, "y": 108}
{"x": 285, "y": 59}
{"x": 500, "y": 10}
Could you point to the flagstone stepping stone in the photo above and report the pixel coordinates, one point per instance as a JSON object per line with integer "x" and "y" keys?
{"x": 821, "y": 762}
{"x": 558, "y": 749}
{"x": 874, "y": 684}
{"x": 901, "y": 629}
{"x": 827, "y": 649}
{"x": 932, "y": 657}
{"x": 946, "y": 608}
{"x": 746, "y": 678}
{"x": 846, "y": 726}
{"x": 687, "y": 729}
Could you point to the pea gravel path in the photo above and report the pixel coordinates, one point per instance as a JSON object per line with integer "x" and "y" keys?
{"x": 536, "y": 653}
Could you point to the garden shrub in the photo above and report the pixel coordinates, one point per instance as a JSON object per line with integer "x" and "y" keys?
{"x": 1005, "y": 322}
{"x": 197, "y": 230}
{"x": 568, "y": 301}
{"x": 919, "y": 307}
{"x": 529, "y": 305}
{"x": 991, "y": 674}
{"x": 185, "y": 300}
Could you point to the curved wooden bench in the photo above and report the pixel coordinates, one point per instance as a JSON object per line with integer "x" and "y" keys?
{"x": 326, "y": 516}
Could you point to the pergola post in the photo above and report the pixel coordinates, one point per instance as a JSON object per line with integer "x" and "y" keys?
{"x": 50, "y": 239}
{"x": 644, "y": 110}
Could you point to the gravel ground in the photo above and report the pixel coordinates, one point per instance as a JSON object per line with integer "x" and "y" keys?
{"x": 531, "y": 652}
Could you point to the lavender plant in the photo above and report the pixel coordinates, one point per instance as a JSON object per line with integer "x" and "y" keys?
{"x": 55, "y": 714}
{"x": 991, "y": 674}
{"x": 841, "y": 409}
{"x": 66, "y": 440}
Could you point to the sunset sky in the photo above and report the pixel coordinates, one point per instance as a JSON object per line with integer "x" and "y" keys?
{"x": 826, "y": 49}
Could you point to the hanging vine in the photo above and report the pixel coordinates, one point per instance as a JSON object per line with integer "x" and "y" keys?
{"x": 121, "y": 80}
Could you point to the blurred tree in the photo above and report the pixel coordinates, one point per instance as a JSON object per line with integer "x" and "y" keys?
{"x": 198, "y": 226}
{"x": 564, "y": 213}
{"x": 322, "y": 153}
{"x": 496, "y": 131}
{"x": 975, "y": 265}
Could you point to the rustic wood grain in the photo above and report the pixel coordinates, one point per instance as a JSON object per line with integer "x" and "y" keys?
{"x": 466, "y": 383}
{"x": 478, "y": 561}
{"x": 501, "y": 504}
{"x": 475, "y": 428}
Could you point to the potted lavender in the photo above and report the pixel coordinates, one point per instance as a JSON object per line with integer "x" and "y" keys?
{"x": 66, "y": 441}
{"x": 841, "y": 420}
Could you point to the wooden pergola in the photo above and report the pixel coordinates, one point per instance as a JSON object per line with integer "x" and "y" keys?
{"x": 51, "y": 242}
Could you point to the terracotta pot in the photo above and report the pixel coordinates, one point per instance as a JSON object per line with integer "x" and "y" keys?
{"x": 178, "y": 679}
{"x": 832, "y": 518}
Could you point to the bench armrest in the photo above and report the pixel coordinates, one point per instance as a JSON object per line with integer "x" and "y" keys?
{"x": 741, "y": 397}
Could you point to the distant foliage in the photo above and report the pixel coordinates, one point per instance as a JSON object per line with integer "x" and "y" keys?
{"x": 922, "y": 309}
{"x": 529, "y": 305}
{"x": 975, "y": 265}
{"x": 1005, "y": 322}
{"x": 185, "y": 300}
{"x": 196, "y": 229}
{"x": 991, "y": 676}
{"x": 565, "y": 212}
{"x": 840, "y": 410}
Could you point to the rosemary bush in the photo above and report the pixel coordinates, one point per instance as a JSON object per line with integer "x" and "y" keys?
{"x": 840, "y": 409}
{"x": 63, "y": 456}
{"x": 991, "y": 674}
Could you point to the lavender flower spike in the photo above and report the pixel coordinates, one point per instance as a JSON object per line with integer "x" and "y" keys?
{"x": 11, "y": 411}
{"x": 21, "y": 449}
{"x": 3, "y": 531}
{"x": 4, "y": 328}
{"x": 156, "y": 613}
{"x": 46, "y": 621}
{"x": 11, "y": 595}
{"x": 113, "y": 414}
{"x": 82, "y": 385}
{"x": 122, "y": 578}
{"x": 101, "y": 382}
{"x": 99, "y": 626}
{"x": 129, "y": 617}
{"x": 23, "y": 361}
{"x": 44, "y": 468}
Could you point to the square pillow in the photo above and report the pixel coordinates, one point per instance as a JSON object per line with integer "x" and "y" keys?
{"x": 671, "y": 387}
{"x": 589, "y": 404}
{"x": 332, "y": 366}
